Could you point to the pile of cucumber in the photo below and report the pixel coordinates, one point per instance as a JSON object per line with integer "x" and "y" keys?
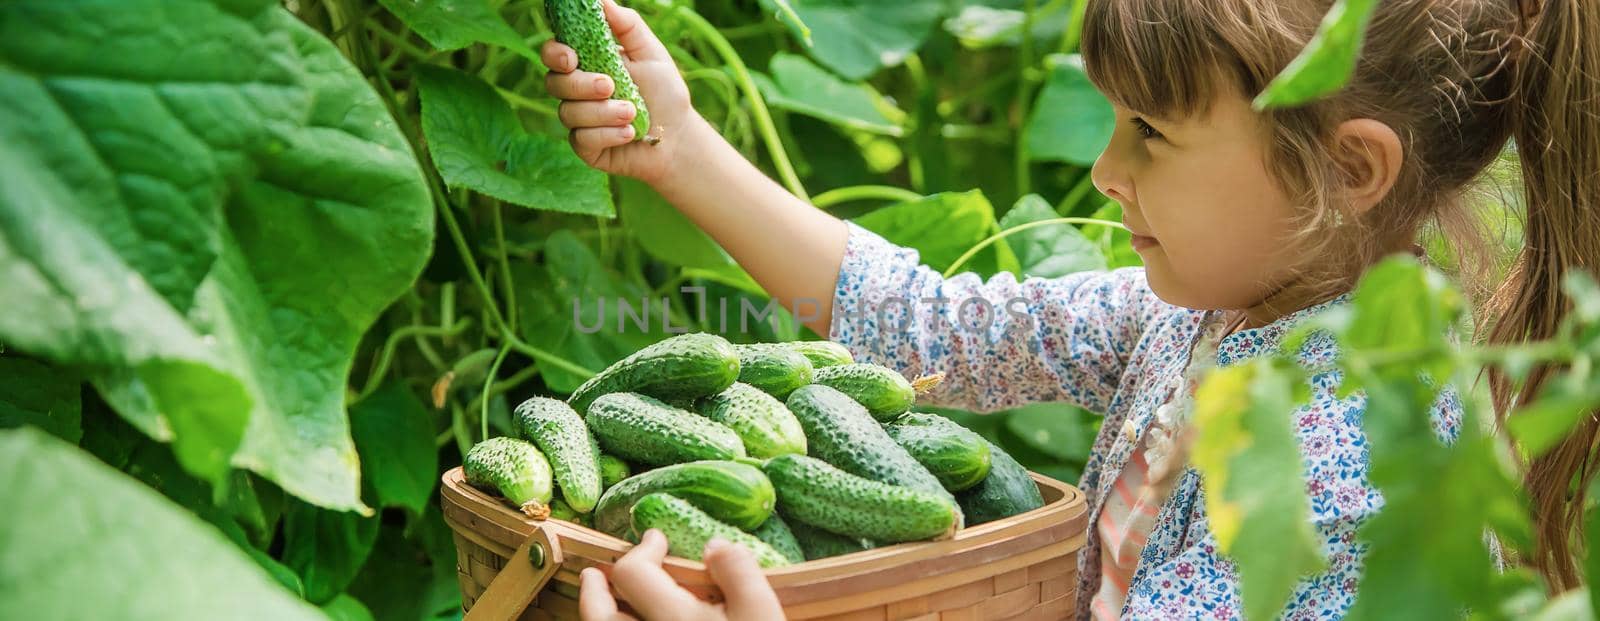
{"x": 790, "y": 449}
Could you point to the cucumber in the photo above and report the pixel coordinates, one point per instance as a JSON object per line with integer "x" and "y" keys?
{"x": 776, "y": 533}
{"x": 763, "y": 423}
{"x": 512, "y": 468}
{"x": 1007, "y": 491}
{"x": 811, "y": 491}
{"x": 839, "y": 431}
{"x": 560, "y": 510}
{"x": 775, "y": 369}
{"x": 643, "y": 430}
{"x": 956, "y": 455}
{"x": 736, "y": 493}
{"x": 686, "y": 366}
{"x": 612, "y": 471}
{"x": 688, "y": 529}
{"x": 817, "y": 543}
{"x": 884, "y": 392}
{"x": 821, "y": 353}
{"x": 561, "y": 434}
{"x": 582, "y": 25}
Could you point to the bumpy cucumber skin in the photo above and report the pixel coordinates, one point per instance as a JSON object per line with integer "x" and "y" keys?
{"x": 645, "y": 430}
{"x": 956, "y": 455}
{"x": 513, "y": 468}
{"x": 775, "y": 369}
{"x": 764, "y": 423}
{"x": 612, "y": 471}
{"x": 811, "y": 491}
{"x": 776, "y": 533}
{"x": 822, "y": 354}
{"x": 841, "y": 432}
{"x": 688, "y": 529}
{"x": 884, "y": 392}
{"x": 1007, "y": 491}
{"x": 736, "y": 493}
{"x": 686, "y": 366}
{"x": 581, "y": 24}
{"x": 561, "y": 435}
{"x": 816, "y": 543}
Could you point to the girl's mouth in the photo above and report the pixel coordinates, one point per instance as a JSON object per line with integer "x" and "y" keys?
{"x": 1140, "y": 242}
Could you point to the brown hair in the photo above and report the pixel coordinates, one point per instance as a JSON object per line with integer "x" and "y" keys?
{"x": 1456, "y": 80}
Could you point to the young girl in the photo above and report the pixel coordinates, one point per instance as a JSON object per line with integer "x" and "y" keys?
{"x": 1247, "y": 222}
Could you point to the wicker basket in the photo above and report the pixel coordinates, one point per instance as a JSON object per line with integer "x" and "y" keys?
{"x": 1022, "y": 567}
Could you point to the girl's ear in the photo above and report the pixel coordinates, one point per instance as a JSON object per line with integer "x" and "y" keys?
{"x": 1369, "y": 155}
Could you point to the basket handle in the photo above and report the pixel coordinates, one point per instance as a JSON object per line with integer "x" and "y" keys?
{"x": 528, "y": 570}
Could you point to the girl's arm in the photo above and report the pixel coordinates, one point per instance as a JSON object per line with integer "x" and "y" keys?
{"x": 1039, "y": 340}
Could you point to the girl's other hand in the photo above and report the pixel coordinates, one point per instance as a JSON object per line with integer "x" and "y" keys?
{"x": 602, "y": 133}
{"x": 640, "y": 580}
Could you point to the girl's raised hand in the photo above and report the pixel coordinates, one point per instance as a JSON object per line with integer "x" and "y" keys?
{"x": 640, "y": 580}
{"x": 601, "y": 131}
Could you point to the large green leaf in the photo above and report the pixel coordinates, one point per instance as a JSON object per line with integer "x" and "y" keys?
{"x": 411, "y": 577}
{"x": 800, "y": 86}
{"x": 1049, "y": 250}
{"x": 394, "y": 433}
{"x": 1060, "y": 430}
{"x": 455, "y": 24}
{"x": 326, "y": 548}
{"x": 477, "y": 143}
{"x": 855, "y": 38}
{"x": 92, "y": 543}
{"x": 1325, "y": 64}
{"x": 979, "y": 26}
{"x": 32, "y": 393}
{"x": 942, "y": 227}
{"x": 1071, "y": 121}
{"x": 1255, "y": 483}
{"x": 302, "y": 203}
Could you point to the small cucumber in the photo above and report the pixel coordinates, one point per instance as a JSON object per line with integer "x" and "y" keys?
{"x": 561, "y": 434}
{"x": 735, "y": 493}
{"x": 821, "y": 353}
{"x": 582, "y": 25}
{"x": 839, "y": 431}
{"x": 612, "y": 471}
{"x": 1007, "y": 491}
{"x": 764, "y": 423}
{"x": 644, "y": 430}
{"x": 776, "y": 533}
{"x": 688, "y": 529}
{"x": 686, "y": 366}
{"x": 884, "y": 392}
{"x": 773, "y": 368}
{"x": 811, "y": 491}
{"x": 956, "y": 455}
{"x": 817, "y": 543}
{"x": 514, "y": 469}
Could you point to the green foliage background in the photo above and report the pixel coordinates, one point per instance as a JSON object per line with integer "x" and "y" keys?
{"x": 269, "y": 269}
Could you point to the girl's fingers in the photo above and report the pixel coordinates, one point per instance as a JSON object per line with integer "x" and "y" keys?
{"x": 578, "y": 85}
{"x": 588, "y": 142}
{"x": 640, "y": 579}
{"x": 558, "y": 57}
{"x": 607, "y": 113}
{"x": 746, "y": 592}
{"x": 595, "y": 602}
{"x": 638, "y": 43}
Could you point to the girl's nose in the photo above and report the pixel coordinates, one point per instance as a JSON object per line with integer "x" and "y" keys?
{"x": 1110, "y": 176}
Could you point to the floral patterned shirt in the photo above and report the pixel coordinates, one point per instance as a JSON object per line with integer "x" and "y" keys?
{"x": 1102, "y": 340}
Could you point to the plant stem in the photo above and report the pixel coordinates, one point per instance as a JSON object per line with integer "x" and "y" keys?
{"x": 386, "y": 355}
{"x": 758, "y": 104}
{"x": 864, "y": 192}
{"x": 1024, "y": 174}
{"x": 488, "y": 381}
{"x": 509, "y": 289}
{"x": 990, "y": 240}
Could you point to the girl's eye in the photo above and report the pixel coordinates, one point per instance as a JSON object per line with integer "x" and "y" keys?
{"x": 1144, "y": 129}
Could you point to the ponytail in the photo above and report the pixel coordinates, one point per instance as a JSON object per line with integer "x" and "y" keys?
{"x": 1555, "y": 118}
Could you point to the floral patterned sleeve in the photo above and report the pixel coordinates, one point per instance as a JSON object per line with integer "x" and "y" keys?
{"x": 999, "y": 343}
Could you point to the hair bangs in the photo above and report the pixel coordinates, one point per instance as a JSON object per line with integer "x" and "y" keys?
{"x": 1157, "y": 57}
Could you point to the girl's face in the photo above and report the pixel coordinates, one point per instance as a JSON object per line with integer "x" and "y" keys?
{"x": 1206, "y": 215}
